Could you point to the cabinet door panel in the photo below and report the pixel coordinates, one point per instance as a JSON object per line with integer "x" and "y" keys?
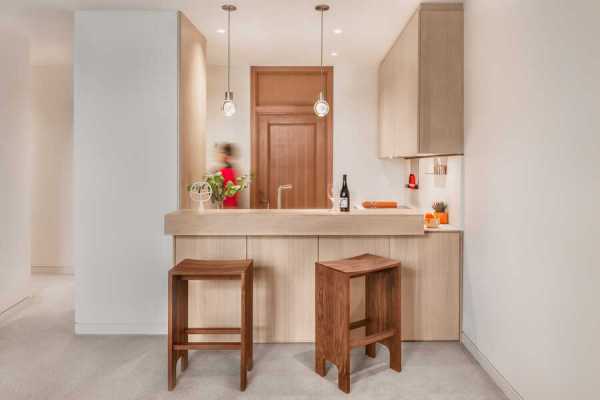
{"x": 421, "y": 86}
{"x": 405, "y": 92}
{"x": 212, "y": 303}
{"x": 386, "y": 133}
{"x": 441, "y": 82}
{"x": 284, "y": 288}
{"x": 430, "y": 285}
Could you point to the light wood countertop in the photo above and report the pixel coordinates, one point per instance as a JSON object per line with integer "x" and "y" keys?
{"x": 444, "y": 228}
{"x": 286, "y": 222}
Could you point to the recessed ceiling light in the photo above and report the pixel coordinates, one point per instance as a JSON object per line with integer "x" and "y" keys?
{"x": 337, "y": 31}
{"x": 221, "y": 31}
{"x": 334, "y": 53}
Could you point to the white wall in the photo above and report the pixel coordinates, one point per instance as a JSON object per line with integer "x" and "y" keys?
{"x": 15, "y": 170}
{"x": 354, "y": 125}
{"x": 235, "y": 129}
{"x": 447, "y": 188}
{"x": 532, "y": 185}
{"x": 52, "y": 199}
{"x": 125, "y": 146}
{"x": 355, "y": 138}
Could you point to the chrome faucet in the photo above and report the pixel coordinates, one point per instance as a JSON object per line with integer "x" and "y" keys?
{"x": 280, "y": 189}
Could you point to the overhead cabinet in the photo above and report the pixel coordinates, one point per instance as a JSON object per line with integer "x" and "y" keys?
{"x": 421, "y": 86}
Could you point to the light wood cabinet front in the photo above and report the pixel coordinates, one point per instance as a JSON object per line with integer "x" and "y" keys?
{"x": 430, "y": 285}
{"x": 331, "y": 248}
{"x": 284, "y": 286}
{"x": 421, "y": 86}
{"x": 212, "y": 303}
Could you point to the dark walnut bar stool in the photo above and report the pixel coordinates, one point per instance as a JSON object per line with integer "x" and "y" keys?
{"x": 332, "y": 303}
{"x": 178, "y": 342}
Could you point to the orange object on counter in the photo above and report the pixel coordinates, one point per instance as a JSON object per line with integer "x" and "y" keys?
{"x": 380, "y": 204}
{"x": 431, "y": 221}
{"x": 442, "y": 216}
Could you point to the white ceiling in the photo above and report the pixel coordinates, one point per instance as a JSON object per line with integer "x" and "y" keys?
{"x": 263, "y": 32}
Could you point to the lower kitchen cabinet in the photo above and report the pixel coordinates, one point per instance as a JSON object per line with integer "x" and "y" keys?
{"x": 431, "y": 289}
{"x": 284, "y": 287}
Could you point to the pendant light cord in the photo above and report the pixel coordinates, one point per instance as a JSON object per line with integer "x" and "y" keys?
{"x": 322, "y": 88}
{"x": 228, "y": 48}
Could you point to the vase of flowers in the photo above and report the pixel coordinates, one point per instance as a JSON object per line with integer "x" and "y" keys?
{"x": 220, "y": 190}
{"x": 440, "y": 208}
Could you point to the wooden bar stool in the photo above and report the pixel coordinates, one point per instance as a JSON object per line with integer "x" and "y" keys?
{"x": 332, "y": 303}
{"x": 178, "y": 343}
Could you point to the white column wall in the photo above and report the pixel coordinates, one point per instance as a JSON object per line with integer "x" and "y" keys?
{"x": 125, "y": 145}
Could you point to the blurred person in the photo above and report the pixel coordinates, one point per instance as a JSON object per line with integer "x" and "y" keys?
{"x": 225, "y": 156}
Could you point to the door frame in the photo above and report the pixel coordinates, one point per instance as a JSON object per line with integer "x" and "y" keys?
{"x": 256, "y": 110}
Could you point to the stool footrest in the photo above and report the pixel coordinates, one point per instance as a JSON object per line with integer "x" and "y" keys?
{"x": 207, "y": 346}
{"x": 376, "y": 337}
{"x": 359, "y": 324}
{"x": 200, "y": 277}
{"x": 212, "y": 331}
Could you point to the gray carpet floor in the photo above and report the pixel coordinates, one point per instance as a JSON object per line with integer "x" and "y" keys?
{"x": 41, "y": 358}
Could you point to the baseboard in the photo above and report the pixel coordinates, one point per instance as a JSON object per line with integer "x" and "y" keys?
{"x": 46, "y": 269}
{"x": 6, "y": 308}
{"x": 120, "y": 329}
{"x": 14, "y": 294}
{"x": 488, "y": 367}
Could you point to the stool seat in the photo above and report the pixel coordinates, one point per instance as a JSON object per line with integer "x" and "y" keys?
{"x": 189, "y": 267}
{"x": 361, "y": 265}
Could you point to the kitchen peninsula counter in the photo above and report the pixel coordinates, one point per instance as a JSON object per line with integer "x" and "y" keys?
{"x": 304, "y": 222}
{"x": 285, "y": 244}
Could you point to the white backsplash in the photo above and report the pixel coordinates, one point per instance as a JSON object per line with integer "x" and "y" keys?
{"x": 448, "y": 188}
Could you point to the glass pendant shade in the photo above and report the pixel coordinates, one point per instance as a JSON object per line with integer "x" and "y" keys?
{"x": 228, "y": 105}
{"x": 321, "y": 106}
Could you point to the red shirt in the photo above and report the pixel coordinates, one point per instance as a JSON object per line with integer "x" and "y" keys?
{"x": 229, "y": 176}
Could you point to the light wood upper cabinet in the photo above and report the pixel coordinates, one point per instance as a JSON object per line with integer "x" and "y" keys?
{"x": 421, "y": 86}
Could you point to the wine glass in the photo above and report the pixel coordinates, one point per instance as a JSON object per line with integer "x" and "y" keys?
{"x": 334, "y": 197}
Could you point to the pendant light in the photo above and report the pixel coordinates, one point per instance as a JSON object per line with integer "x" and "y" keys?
{"x": 321, "y": 106}
{"x": 228, "y": 104}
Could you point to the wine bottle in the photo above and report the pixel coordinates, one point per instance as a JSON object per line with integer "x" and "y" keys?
{"x": 345, "y": 196}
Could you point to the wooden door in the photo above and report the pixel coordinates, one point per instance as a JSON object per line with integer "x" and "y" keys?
{"x": 290, "y": 145}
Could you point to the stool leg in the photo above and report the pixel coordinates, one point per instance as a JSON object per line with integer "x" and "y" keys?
{"x": 321, "y": 319}
{"x": 344, "y": 373}
{"x": 370, "y": 315}
{"x": 383, "y": 310}
{"x": 320, "y": 364}
{"x": 171, "y": 356}
{"x": 332, "y": 322}
{"x": 244, "y": 334}
{"x": 183, "y": 292}
{"x": 395, "y": 342}
{"x": 249, "y": 316}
